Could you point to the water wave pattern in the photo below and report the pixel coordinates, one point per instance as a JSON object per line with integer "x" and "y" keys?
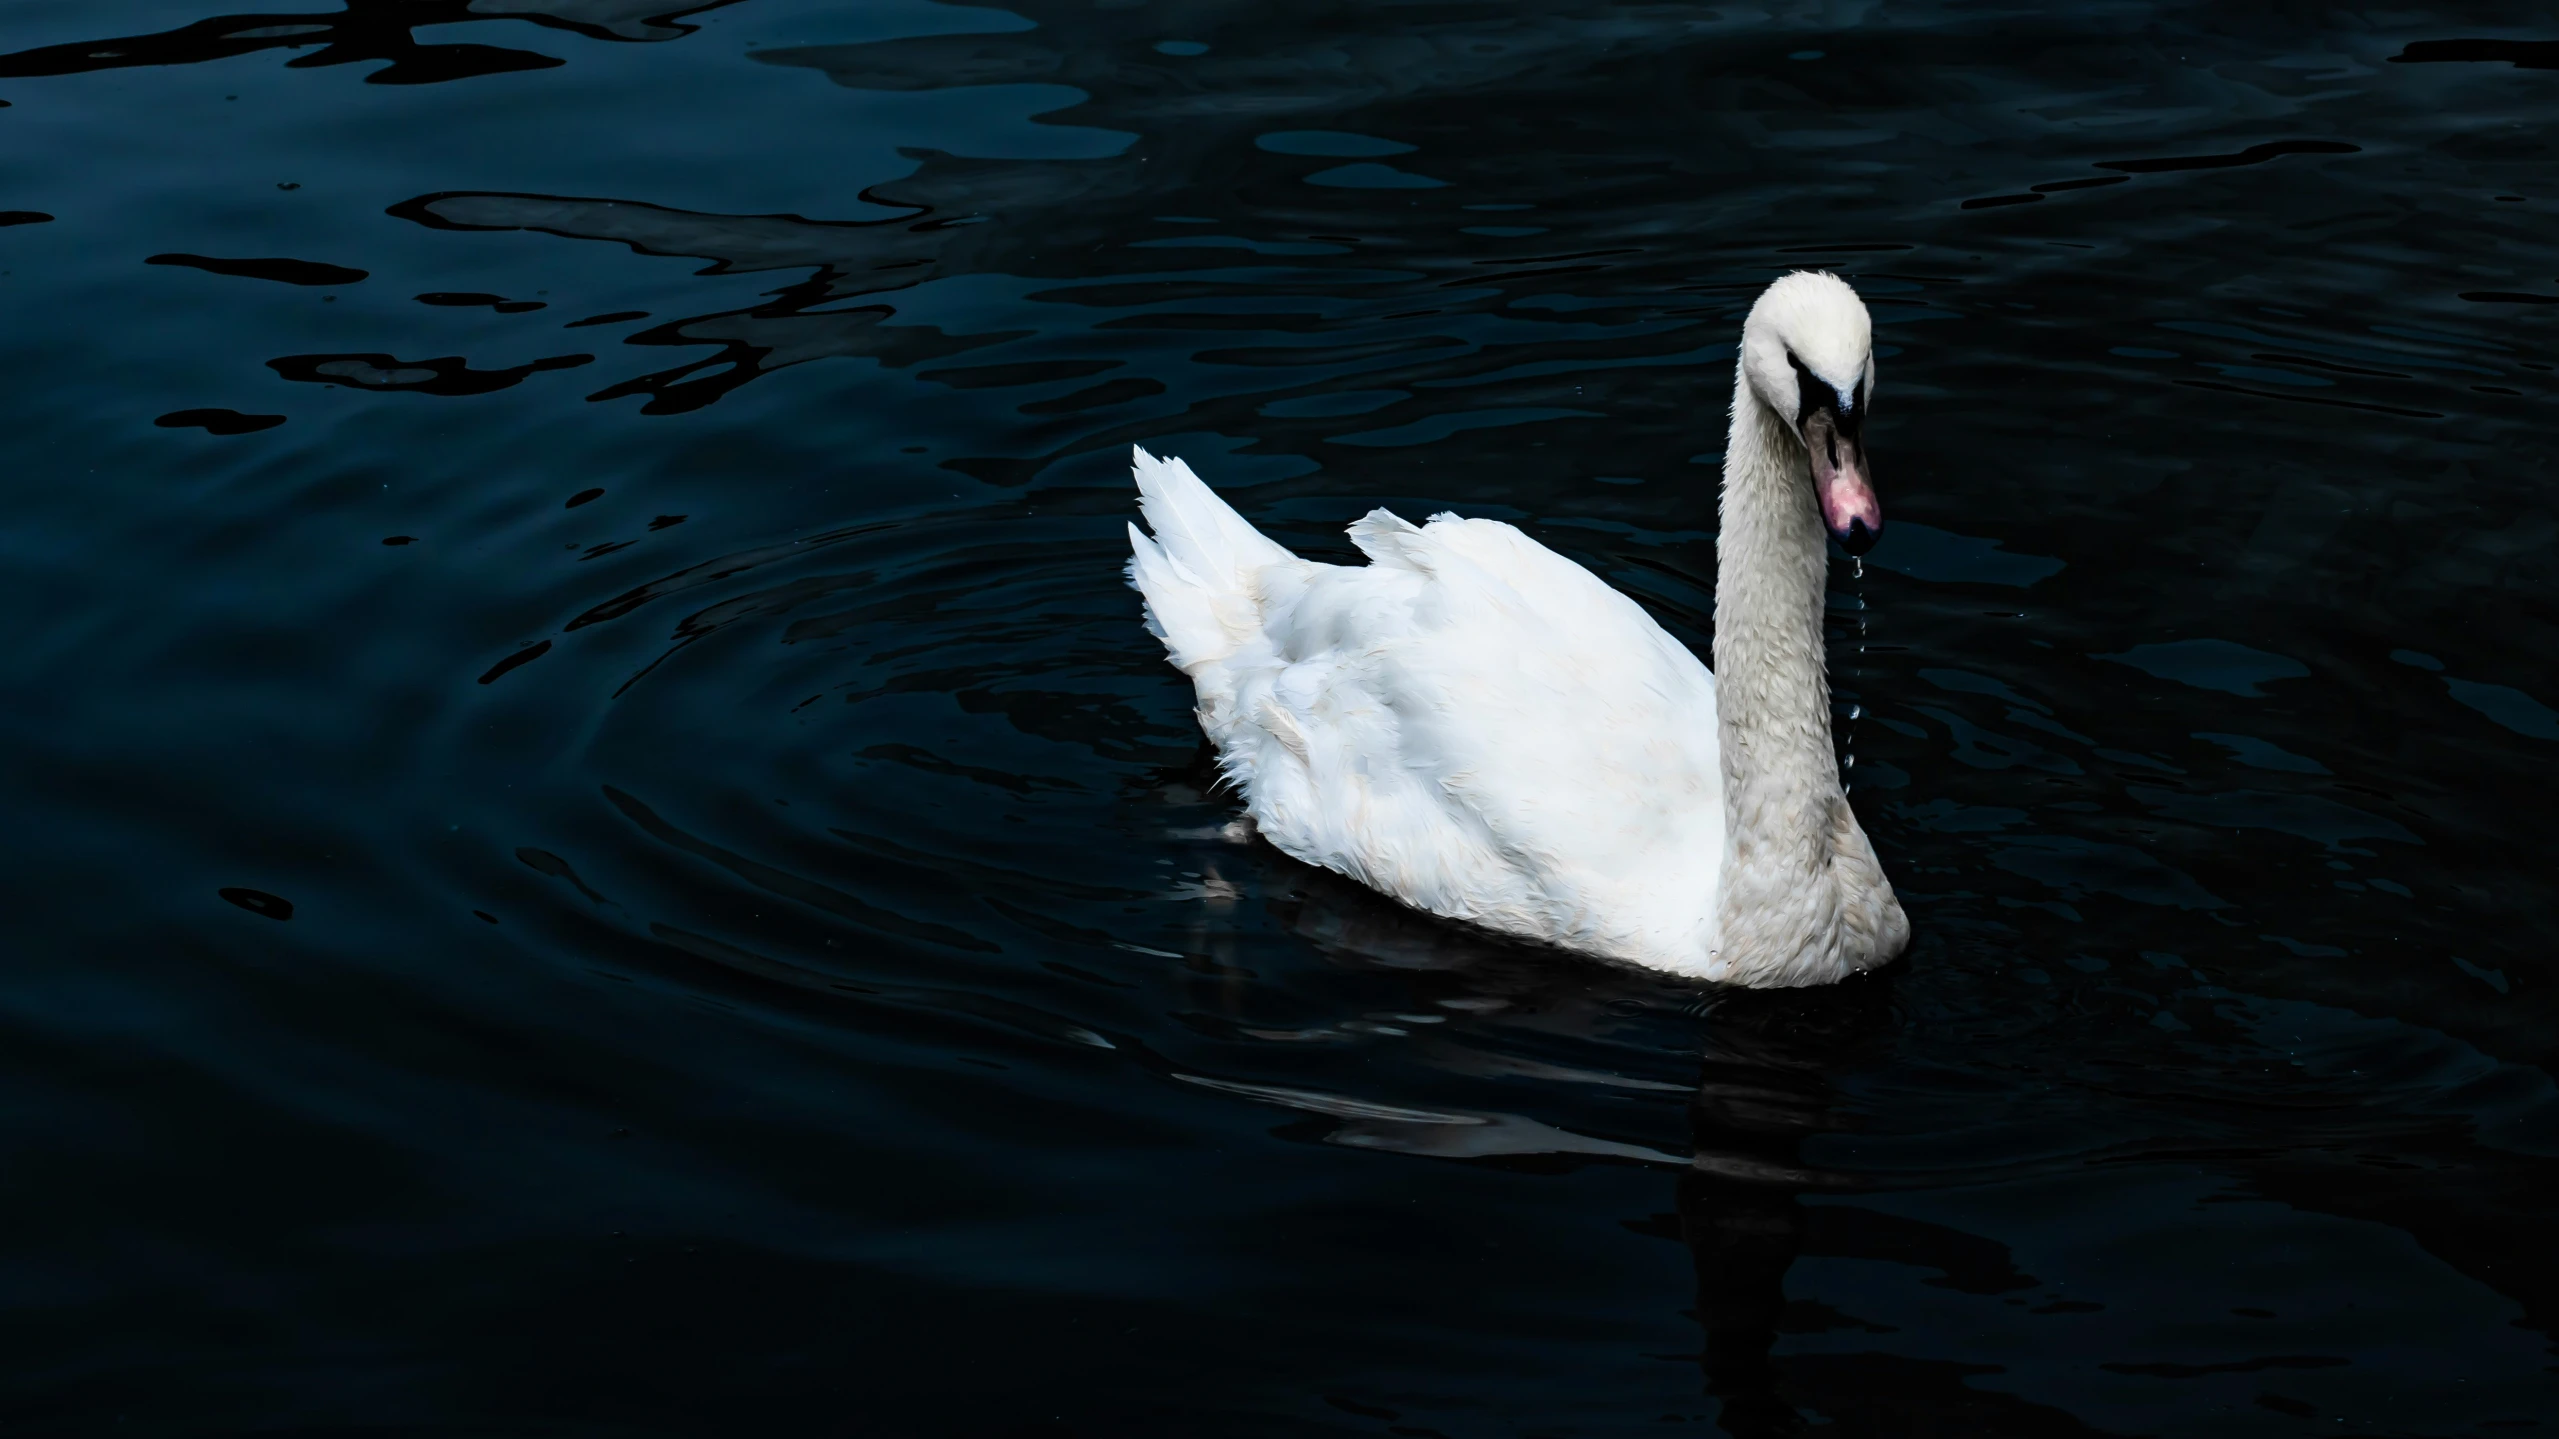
{"x": 601, "y": 849}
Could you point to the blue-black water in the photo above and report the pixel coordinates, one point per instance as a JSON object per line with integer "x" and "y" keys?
{"x": 596, "y": 848}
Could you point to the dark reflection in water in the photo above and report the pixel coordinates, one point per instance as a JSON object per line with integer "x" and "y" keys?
{"x": 368, "y": 30}
{"x": 288, "y": 272}
{"x": 451, "y": 375}
{"x": 649, "y": 880}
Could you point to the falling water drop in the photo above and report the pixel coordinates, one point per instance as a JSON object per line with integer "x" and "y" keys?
{"x": 1848, "y": 735}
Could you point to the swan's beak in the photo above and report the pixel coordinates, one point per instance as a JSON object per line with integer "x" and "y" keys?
{"x": 1841, "y": 481}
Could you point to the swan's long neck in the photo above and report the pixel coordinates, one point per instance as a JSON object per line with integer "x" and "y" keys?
{"x": 1786, "y": 819}
{"x": 1772, "y": 695}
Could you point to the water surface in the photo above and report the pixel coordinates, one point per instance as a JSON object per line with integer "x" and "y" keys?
{"x": 598, "y": 849}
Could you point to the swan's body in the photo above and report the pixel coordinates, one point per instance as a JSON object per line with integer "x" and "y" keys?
{"x": 1480, "y": 728}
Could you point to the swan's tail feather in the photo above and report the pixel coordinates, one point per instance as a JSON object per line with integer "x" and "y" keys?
{"x": 1196, "y": 571}
{"x": 1180, "y": 611}
{"x": 1197, "y": 528}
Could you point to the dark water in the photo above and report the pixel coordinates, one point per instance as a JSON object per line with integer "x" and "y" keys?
{"x": 596, "y": 848}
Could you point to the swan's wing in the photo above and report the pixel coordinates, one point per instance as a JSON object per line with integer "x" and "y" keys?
{"x": 1482, "y": 728}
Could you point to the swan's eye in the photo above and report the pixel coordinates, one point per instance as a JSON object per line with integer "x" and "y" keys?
{"x": 1810, "y": 391}
{"x": 1813, "y": 393}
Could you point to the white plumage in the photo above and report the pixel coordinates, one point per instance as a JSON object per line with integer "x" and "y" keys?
{"x": 1481, "y": 729}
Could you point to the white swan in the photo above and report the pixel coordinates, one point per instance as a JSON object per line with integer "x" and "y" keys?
{"x": 1480, "y": 728}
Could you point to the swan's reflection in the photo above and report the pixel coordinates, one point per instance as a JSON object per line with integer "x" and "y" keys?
{"x": 1765, "y": 1086}
{"x": 1767, "y": 1081}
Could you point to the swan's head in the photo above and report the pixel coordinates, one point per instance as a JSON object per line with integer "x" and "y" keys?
{"x": 1808, "y": 350}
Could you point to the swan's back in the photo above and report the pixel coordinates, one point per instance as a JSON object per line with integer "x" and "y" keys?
{"x": 1470, "y": 722}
